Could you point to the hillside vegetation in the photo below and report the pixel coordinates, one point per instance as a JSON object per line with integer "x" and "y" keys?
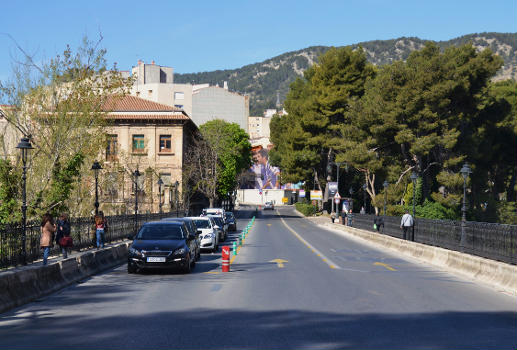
{"x": 263, "y": 80}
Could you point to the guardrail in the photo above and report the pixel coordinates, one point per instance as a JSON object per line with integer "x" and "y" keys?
{"x": 119, "y": 227}
{"x": 488, "y": 240}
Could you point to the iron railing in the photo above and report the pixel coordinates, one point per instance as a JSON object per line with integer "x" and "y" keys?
{"x": 488, "y": 240}
{"x": 82, "y": 232}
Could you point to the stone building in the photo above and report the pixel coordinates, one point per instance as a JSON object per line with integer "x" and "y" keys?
{"x": 152, "y": 138}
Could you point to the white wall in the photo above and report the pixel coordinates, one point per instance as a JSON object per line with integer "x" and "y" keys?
{"x": 252, "y": 196}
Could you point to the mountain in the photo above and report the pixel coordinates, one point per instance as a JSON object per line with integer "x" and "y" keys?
{"x": 264, "y": 80}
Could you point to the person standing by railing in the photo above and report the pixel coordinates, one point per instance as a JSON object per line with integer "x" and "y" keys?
{"x": 63, "y": 238}
{"x": 100, "y": 225}
{"x": 406, "y": 224}
{"x": 48, "y": 228}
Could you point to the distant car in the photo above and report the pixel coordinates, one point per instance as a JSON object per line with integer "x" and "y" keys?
{"x": 209, "y": 234}
{"x": 269, "y": 205}
{"x": 231, "y": 221}
{"x": 222, "y": 226}
{"x": 162, "y": 245}
{"x": 213, "y": 211}
{"x": 193, "y": 231}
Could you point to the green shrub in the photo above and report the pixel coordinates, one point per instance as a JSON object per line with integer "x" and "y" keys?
{"x": 306, "y": 208}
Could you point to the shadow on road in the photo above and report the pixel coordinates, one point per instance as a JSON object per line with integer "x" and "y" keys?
{"x": 285, "y": 329}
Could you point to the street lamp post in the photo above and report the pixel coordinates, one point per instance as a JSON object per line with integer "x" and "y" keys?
{"x": 160, "y": 184}
{"x": 465, "y": 171}
{"x": 96, "y": 167}
{"x": 24, "y": 146}
{"x": 136, "y": 174}
{"x": 414, "y": 177}
{"x": 385, "y": 184}
{"x": 176, "y": 196}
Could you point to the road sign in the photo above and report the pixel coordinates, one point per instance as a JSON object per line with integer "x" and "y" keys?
{"x": 302, "y": 194}
{"x": 332, "y": 188}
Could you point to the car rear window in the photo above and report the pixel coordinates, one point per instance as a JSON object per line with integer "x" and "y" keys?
{"x": 160, "y": 232}
{"x": 202, "y": 223}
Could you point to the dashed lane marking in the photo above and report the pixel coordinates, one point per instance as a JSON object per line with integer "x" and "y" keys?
{"x": 326, "y": 260}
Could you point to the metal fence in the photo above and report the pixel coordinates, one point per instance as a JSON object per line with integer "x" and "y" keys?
{"x": 82, "y": 232}
{"x": 492, "y": 241}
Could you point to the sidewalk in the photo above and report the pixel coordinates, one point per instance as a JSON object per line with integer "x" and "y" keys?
{"x": 23, "y": 284}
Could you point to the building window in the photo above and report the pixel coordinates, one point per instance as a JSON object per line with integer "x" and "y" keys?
{"x": 138, "y": 144}
{"x": 165, "y": 143}
{"x": 179, "y": 106}
{"x": 112, "y": 148}
{"x": 150, "y": 92}
{"x": 179, "y": 96}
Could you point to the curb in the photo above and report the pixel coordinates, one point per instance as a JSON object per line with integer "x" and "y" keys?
{"x": 496, "y": 274}
{"x": 21, "y": 287}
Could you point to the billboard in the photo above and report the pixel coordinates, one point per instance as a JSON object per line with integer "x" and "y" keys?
{"x": 261, "y": 174}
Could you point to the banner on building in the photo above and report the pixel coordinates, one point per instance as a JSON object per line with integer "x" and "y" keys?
{"x": 316, "y": 195}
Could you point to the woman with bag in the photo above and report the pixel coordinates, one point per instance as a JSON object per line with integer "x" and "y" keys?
{"x": 63, "y": 238}
{"x": 48, "y": 228}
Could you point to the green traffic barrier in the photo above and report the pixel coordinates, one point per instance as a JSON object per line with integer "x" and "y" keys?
{"x": 234, "y": 248}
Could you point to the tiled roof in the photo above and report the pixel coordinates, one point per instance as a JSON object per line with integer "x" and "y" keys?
{"x": 168, "y": 116}
{"x": 136, "y": 104}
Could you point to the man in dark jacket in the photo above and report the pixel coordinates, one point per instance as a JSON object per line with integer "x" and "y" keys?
{"x": 378, "y": 221}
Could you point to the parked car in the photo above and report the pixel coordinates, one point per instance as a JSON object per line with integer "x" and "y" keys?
{"x": 213, "y": 211}
{"x": 209, "y": 234}
{"x": 222, "y": 226}
{"x": 231, "y": 221}
{"x": 162, "y": 245}
{"x": 269, "y": 205}
{"x": 192, "y": 229}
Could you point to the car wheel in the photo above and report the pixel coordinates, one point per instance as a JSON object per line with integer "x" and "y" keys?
{"x": 188, "y": 267}
{"x": 131, "y": 268}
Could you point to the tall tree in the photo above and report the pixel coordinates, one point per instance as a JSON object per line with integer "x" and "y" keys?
{"x": 59, "y": 106}
{"x": 317, "y": 106}
{"x": 219, "y": 155}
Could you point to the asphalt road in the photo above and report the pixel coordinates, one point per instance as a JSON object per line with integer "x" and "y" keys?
{"x": 293, "y": 285}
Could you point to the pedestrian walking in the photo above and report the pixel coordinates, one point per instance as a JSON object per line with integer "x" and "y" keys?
{"x": 378, "y": 221}
{"x": 100, "y": 229}
{"x": 48, "y": 229}
{"x": 362, "y": 211}
{"x": 406, "y": 224}
{"x": 63, "y": 238}
{"x": 350, "y": 217}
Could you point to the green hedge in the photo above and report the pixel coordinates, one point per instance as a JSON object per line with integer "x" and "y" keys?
{"x": 306, "y": 208}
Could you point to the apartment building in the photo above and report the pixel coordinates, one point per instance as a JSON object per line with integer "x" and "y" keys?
{"x": 201, "y": 102}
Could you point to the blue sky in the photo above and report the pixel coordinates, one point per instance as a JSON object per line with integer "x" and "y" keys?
{"x": 194, "y": 36}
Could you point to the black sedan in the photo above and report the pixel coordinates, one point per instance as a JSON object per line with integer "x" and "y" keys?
{"x": 192, "y": 231}
{"x": 162, "y": 245}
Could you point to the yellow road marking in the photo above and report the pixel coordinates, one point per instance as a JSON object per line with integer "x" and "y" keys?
{"x": 279, "y": 262}
{"x": 385, "y": 265}
{"x": 212, "y": 272}
{"x": 308, "y": 245}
